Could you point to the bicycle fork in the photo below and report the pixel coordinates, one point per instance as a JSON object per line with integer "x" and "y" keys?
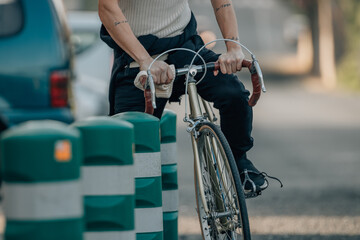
{"x": 199, "y": 174}
{"x": 221, "y": 212}
{"x": 197, "y": 114}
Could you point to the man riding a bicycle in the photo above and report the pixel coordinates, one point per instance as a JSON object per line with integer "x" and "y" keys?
{"x": 139, "y": 30}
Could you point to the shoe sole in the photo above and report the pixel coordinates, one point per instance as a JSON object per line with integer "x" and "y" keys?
{"x": 262, "y": 187}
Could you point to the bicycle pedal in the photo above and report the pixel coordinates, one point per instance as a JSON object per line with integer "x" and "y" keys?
{"x": 252, "y": 194}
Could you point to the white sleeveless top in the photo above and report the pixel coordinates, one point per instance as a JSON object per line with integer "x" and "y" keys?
{"x": 162, "y": 18}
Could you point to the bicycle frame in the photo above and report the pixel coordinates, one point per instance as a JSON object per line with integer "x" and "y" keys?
{"x": 211, "y": 159}
{"x": 197, "y": 116}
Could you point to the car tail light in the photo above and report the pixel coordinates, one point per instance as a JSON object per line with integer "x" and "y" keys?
{"x": 59, "y": 81}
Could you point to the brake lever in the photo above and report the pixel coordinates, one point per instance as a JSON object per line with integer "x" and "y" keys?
{"x": 152, "y": 89}
{"x": 259, "y": 72}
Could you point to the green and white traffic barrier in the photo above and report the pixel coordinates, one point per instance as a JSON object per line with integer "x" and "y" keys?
{"x": 148, "y": 206}
{"x": 170, "y": 192}
{"x": 108, "y": 178}
{"x": 42, "y": 189}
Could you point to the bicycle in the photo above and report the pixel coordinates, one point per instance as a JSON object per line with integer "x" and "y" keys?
{"x": 219, "y": 193}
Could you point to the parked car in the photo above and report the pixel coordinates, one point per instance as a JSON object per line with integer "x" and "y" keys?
{"x": 35, "y": 61}
{"x": 93, "y": 64}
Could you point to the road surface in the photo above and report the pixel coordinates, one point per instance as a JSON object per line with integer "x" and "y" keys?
{"x": 310, "y": 139}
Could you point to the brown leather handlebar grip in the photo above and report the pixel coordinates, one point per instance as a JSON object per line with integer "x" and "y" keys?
{"x": 255, "y": 82}
{"x": 148, "y": 103}
{"x": 216, "y": 66}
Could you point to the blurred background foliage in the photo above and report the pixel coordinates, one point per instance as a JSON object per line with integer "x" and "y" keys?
{"x": 345, "y": 20}
{"x": 349, "y": 66}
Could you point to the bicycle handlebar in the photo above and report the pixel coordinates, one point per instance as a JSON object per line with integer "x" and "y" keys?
{"x": 198, "y": 68}
{"x": 253, "y": 66}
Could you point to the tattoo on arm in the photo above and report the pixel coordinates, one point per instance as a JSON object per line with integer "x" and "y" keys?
{"x": 222, "y": 6}
{"x": 120, "y": 22}
{"x": 234, "y": 38}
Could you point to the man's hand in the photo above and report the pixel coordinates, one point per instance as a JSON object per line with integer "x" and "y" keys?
{"x": 231, "y": 61}
{"x": 160, "y": 71}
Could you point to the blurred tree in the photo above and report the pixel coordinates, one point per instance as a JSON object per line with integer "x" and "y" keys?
{"x": 309, "y": 8}
{"x": 349, "y": 67}
{"x": 327, "y": 64}
{"x": 335, "y": 26}
{"x": 321, "y": 18}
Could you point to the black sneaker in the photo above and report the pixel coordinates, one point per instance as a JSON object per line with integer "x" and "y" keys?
{"x": 253, "y": 180}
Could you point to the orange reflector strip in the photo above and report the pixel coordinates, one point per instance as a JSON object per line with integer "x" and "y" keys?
{"x": 63, "y": 151}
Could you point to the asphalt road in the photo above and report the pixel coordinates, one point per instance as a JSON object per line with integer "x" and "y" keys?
{"x": 307, "y": 137}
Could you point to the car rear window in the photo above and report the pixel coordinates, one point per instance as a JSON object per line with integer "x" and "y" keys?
{"x": 11, "y": 17}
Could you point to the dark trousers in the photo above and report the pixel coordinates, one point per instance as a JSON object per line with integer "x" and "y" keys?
{"x": 226, "y": 92}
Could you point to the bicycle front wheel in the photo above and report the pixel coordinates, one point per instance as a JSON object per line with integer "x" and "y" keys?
{"x": 220, "y": 199}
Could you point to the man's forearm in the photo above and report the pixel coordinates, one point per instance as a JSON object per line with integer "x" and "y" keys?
{"x": 119, "y": 29}
{"x": 226, "y": 18}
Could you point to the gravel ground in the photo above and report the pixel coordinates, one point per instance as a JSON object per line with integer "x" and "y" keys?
{"x": 286, "y": 237}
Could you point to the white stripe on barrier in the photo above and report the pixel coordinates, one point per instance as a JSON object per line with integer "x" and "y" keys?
{"x": 147, "y": 164}
{"x": 118, "y": 235}
{"x": 43, "y": 201}
{"x": 108, "y": 180}
{"x": 148, "y": 220}
{"x": 170, "y": 200}
{"x": 168, "y": 153}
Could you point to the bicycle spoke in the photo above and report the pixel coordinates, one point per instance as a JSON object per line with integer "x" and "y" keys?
{"x": 213, "y": 157}
{"x": 227, "y": 189}
{"x": 221, "y": 180}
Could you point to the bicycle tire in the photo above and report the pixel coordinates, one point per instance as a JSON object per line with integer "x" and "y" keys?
{"x": 212, "y": 226}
